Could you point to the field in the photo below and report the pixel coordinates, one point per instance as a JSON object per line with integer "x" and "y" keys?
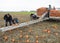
{"x": 42, "y": 32}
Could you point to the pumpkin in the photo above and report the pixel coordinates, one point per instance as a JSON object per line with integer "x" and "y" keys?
{"x": 45, "y": 30}
{"x": 49, "y": 31}
{"x": 21, "y": 36}
{"x": 27, "y": 36}
{"x": 6, "y": 38}
{"x": 30, "y": 30}
{"x": 37, "y": 41}
{"x": 37, "y": 36}
{"x": 13, "y": 40}
{"x": 27, "y": 41}
{"x": 56, "y": 34}
{"x": 55, "y": 27}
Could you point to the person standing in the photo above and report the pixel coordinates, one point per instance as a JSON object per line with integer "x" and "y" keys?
{"x": 8, "y": 18}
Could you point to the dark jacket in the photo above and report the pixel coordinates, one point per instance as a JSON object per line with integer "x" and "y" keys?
{"x": 7, "y": 18}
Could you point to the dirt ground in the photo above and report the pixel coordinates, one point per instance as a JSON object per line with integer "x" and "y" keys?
{"x": 42, "y": 32}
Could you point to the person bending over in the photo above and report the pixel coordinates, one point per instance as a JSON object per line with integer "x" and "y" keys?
{"x": 15, "y": 21}
{"x": 33, "y": 16}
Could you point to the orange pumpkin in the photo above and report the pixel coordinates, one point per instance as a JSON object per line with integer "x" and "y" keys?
{"x": 30, "y": 30}
{"x": 37, "y": 41}
{"x": 13, "y": 40}
{"x": 21, "y": 36}
{"x": 27, "y": 36}
{"x": 45, "y": 30}
{"x": 49, "y": 31}
{"x": 54, "y": 13}
{"x": 6, "y": 38}
{"x": 56, "y": 34}
{"x": 41, "y": 10}
{"x": 27, "y": 41}
{"x": 37, "y": 36}
{"x": 55, "y": 27}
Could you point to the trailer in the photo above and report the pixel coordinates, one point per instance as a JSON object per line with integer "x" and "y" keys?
{"x": 53, "y": 13}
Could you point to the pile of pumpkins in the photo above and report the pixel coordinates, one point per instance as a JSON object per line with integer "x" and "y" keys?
{"x": 53, "y": 12}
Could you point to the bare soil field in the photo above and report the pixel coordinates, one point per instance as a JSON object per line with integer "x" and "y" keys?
{"x": 42, "y": 32}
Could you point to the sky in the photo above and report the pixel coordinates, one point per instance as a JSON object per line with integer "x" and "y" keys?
{"x": 22, "y": 5}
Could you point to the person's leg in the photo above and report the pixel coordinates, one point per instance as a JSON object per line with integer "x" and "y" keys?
{"x": 6, "y": 23}
{"x": 10, "y": 22}
{"x": 13, "y": 21}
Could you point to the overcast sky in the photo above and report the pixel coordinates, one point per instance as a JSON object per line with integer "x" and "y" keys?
{"x": 19, "y": 5}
